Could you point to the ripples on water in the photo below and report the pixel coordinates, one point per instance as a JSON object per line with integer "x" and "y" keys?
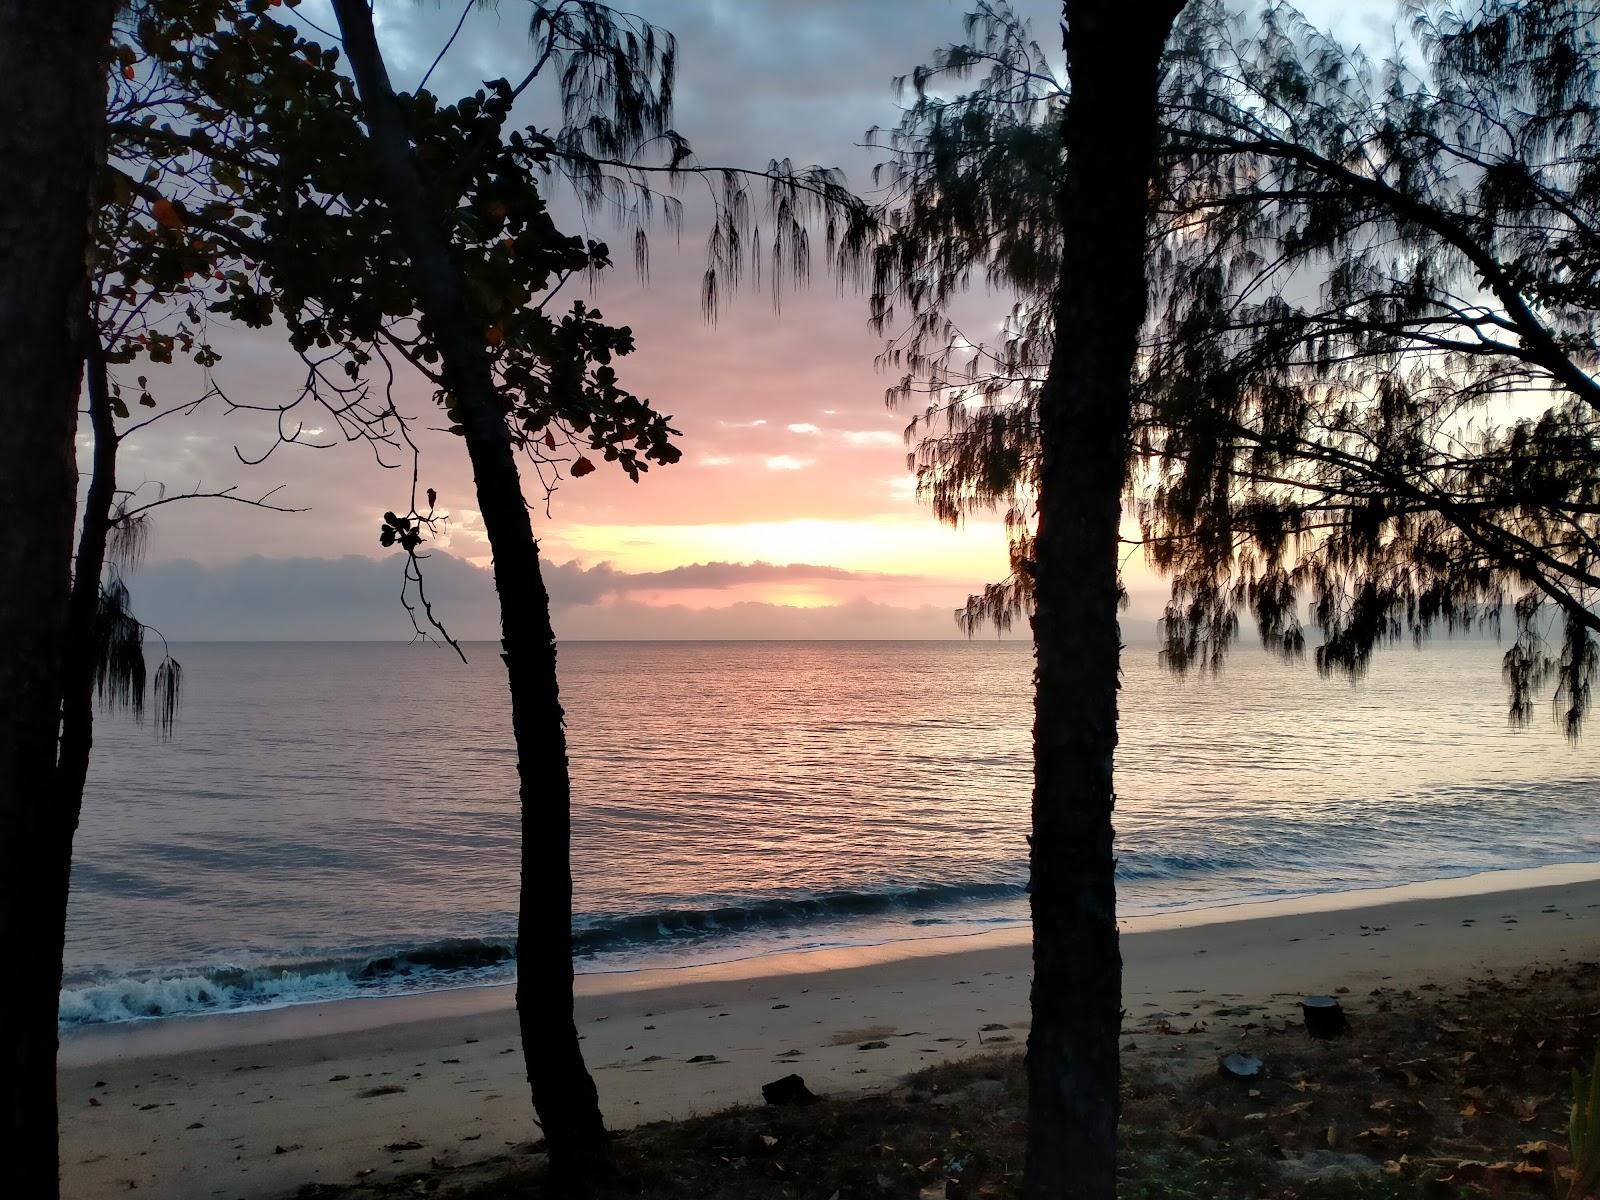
{"x": 341, "y": 818}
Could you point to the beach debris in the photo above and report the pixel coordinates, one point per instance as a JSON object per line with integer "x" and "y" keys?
{"x": 395, "y": 1147}
{"x": 290, "y": 1148}
{"x": 337, "y": 1078}
{"x": 873, "y": 1046}
{"x": 790, "y": 1089}
{"x": 1324, "y": 1166}
{"x": 383, "y": 1089}
{"x": 195, "y": 1125}
{"x": 704, "y": 1058}
{"x": 980, "y": 1090}
{"x": 1241, "y": 1066}
{"x": 1324, "y": 1016}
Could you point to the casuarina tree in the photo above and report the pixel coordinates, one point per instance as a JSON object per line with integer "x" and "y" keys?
{"x": 1366, "y": 378}
{"x": 1367, "y": 372}
{"x": 1085, "y": 417}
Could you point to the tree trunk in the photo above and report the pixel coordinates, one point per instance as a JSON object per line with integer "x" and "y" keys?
{"x": 1113, "y": 51}
{"x": 563, "y": 1093}
{"x": 52, "y": 92}
{"x": 83, "y": 604}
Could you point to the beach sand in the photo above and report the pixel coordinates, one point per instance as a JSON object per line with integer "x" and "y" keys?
{"x": 257, "y": 1104}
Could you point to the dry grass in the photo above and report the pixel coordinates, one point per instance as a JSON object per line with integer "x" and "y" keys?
{"x": 1432, "y": 1094}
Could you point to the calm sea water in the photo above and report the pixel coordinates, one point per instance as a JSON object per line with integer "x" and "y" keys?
{"x": 340, "y": 819}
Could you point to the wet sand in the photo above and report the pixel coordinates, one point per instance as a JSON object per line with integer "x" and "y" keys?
{"x": 254, "y": 1105}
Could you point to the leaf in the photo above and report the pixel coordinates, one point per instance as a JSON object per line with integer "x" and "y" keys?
{"x": 581, "y": 467}
{"x": 166, "y": 213}
{"x": 433, "y": 497}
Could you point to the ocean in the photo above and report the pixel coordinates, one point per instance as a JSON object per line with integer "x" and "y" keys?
{"x": 340, "y": 819}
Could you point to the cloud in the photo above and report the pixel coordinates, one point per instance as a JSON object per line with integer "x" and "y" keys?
{"x": 787, "y": 462}
{"x": 872, "y": 437}
{"x": 804, "y": 427}
{"x": 356, "y": 598}
{"x": 730, "y": 574}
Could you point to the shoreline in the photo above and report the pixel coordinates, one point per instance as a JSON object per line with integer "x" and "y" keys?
{"x": 255, "y": 1104}
{"x": 84, "y": 1044}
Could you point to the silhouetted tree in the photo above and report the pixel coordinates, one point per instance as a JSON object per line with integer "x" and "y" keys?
{"x": 379, "y": 225}
{"x": 1085, "y": 412}
{"x": 1369, "y": 372}
{"x": 1367, "y": 376}
{"x": 53, "y": 97}
{"x": 563, "y": 1091}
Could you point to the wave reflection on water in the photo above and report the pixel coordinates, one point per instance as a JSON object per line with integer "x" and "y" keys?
{"x": 336, "y": 820}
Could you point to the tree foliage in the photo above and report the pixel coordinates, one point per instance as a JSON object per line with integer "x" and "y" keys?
{"x": 1367, "y": 378}
{"x": 260, "y": 136}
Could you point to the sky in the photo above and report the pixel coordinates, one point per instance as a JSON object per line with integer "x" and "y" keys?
{"x": 792, "y": 513}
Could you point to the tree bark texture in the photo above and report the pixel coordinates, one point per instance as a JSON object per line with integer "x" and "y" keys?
{"x": 564, "y": 1094}
{"x": 1113, "y": 50}
{"x": 52, "y": 95}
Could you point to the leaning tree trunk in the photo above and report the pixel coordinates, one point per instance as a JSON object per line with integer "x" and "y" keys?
{"x": 563, "y": 1093}
{"x": 52, "y": 95}
{"x": 1113, "y": 50}
{"x": 83, "y": 604}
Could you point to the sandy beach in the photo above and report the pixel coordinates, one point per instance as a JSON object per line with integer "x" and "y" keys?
{"x": 256, "y": 1104}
